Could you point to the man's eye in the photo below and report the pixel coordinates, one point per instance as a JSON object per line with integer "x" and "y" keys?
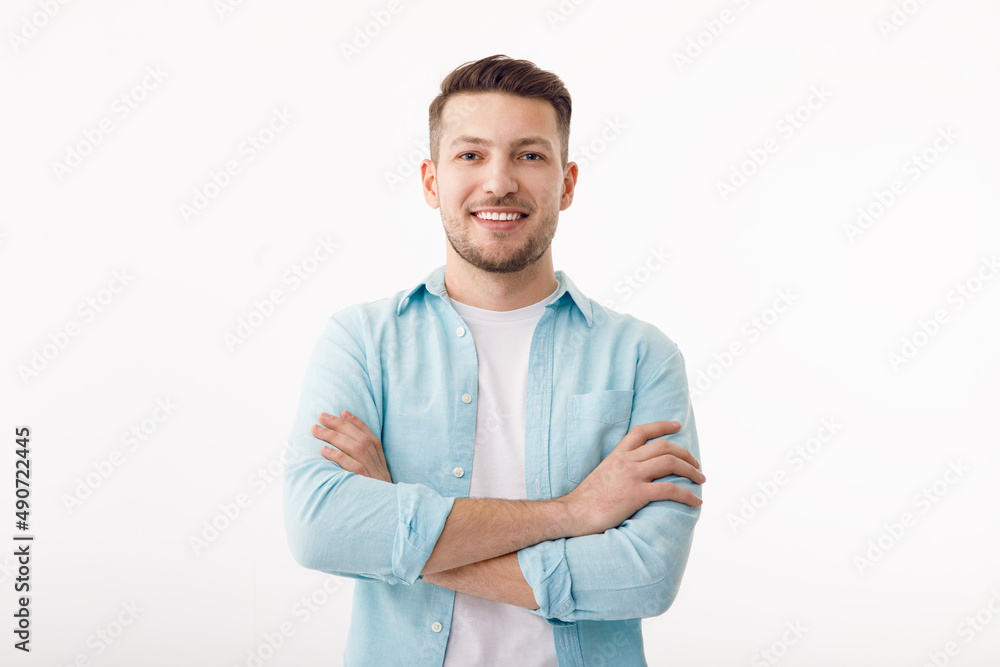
{"x": 535, "y": 157}
{"x": 463, "y": 155}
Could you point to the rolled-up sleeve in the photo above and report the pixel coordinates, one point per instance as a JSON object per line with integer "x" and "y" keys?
{"x": 338, "y": 522}
{"x": 635, "y": 570}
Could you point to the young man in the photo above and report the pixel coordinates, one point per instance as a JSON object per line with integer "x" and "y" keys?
{"x": 499, "y": 487}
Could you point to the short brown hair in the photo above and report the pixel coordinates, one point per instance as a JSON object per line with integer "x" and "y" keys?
{"x": 502, "y": 74}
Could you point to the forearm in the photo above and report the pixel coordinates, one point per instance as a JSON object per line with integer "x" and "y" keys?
{"x": 615, "y": 578}
{"x": 353, "y": 526}
{"x": 633, "y": 571}
{"x": 497, "y": 579}
{"x": 479, "y": 529}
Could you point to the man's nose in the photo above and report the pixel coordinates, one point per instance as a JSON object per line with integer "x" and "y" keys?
{"x": 500, "y": 179}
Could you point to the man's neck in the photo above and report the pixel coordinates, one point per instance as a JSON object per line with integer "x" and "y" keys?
{"x": 500, "y": 291}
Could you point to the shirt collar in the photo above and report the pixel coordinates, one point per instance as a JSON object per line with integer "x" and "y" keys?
{"x": 434, "y": 284}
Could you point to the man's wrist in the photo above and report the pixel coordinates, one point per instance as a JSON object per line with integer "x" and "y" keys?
{"x": 499, "y": 579}
{"x": 564, "y": 517}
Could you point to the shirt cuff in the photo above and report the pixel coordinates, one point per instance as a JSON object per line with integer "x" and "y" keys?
{"x": 545, "y": 569}
{"x": 422, "y": 515}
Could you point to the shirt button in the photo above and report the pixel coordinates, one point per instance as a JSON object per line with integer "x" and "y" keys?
{"x": 460, "y": 331}
{"x": 466, "y": 398}
{"x": 459, "y": 472}
{"x": 436, "y": 627}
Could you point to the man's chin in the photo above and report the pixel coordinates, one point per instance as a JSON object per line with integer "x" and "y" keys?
{"x": 503, "y": 263}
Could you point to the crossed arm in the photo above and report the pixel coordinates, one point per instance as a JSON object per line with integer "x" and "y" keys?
{"x": 613, "y": 548}
{"x": 476, "y": 552}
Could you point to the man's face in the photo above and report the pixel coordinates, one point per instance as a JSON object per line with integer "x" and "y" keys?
{"x": 499, "y": 157}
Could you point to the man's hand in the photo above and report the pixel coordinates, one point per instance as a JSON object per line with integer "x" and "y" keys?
{"x": 354, "y": 447}
{"x": 623, "y": 482}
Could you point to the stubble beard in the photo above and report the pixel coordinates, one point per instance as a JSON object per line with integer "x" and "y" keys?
{"x": 510, "y": 260}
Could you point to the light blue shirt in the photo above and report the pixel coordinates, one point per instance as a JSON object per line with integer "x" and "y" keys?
{"x": 407, "y": 367}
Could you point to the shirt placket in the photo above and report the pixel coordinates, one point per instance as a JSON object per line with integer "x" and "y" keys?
{"x": 463, "y": 390}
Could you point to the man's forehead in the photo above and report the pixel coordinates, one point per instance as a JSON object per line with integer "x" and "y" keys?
{"x": 481, "y": 110}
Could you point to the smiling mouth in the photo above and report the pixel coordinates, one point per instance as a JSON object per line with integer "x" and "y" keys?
{"x": 501, "y": 217}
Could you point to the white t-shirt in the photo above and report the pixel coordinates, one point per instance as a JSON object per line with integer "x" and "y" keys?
{"x": 484, "y": 632}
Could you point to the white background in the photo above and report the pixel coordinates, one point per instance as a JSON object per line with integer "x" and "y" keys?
{"x": 651, "y": 183}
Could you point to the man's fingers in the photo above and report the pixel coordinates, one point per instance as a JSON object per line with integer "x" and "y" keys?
{"x": 356, "y": 422}
{"x": 668, "y": 464}
{"x": 661, "y": 447}
{"x": 640, "y": 433}
{"x": 342, "y": 425}
{"x": 362, "y": 428}
{"x": 339, "y": 432}
{"x": 323, "y": 433}
{"x": 339, "y": 442}
{"x": 670, "y": 491}
{"x": 343, "y": 460}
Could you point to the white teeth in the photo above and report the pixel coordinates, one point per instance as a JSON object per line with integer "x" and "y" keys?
{"x": 499, "y": 216}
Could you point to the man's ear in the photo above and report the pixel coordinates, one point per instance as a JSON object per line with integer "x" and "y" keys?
{"x": 569, "y": 185}
{"x": 428, "y": 180}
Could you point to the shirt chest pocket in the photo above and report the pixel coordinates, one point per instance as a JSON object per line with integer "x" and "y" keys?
{"x": 596, "y": 422}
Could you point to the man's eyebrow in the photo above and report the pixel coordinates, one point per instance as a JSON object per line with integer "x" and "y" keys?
{"x": 520, "y": 143}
